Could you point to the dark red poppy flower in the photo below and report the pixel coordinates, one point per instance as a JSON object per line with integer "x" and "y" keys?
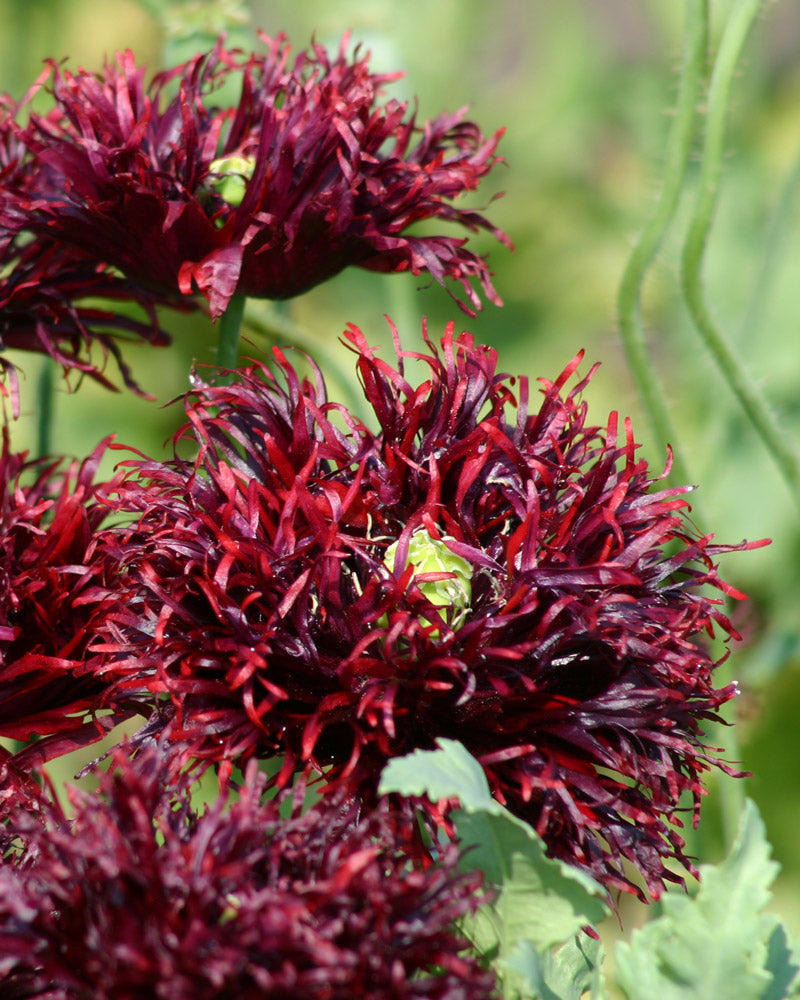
{"x": 19, "y": 792}
{"x": 53, "y": 299}
{"x": 479, "y": 569}
{"x": 49, "y": 516}
{"x": 56, "y": 301}
{"x": 307, "y": 175}
{"x": 140, "y": 896}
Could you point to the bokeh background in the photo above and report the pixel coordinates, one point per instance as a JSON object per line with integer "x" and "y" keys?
{"x": 584, "y": 91}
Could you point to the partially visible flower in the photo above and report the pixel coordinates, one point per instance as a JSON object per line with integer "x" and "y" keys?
{"x": 46, "y": 287}
{"x": 45, "y": 290}
{"x": 140, "y": 896}
{"x": 307, "y": 175}
{"x": 290, "y": 590}
{"x": 19, "y": 792}
{"x": 49, "y": 517}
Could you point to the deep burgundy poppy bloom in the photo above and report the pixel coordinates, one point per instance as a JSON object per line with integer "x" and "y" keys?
{"x": 52, "y": 296}
{"x": 19, "y": 792}
{"x": 309, "y": 174}
{"x": 44, "y": 308}
{"x": 479, "y": 569}
{"x": 49, "y": 517}
{"x": 140, "y": 897}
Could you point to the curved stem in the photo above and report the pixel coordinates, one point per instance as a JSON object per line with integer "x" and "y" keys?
{"x": 750, "y": 398}
{"x": 679, "y": 146}
{"x": 732, "y": 794}
{"x": 230, "y": 326}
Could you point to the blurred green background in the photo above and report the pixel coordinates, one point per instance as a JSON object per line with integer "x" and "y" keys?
{"x": 584, "y": 90}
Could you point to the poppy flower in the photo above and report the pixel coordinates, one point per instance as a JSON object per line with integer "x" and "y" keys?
{"x": 45, "y": 308}
{"x": 140, "y": 896}
{"x": 53, "y": 299}
{"x": 49, "y": 517}
{"x": 475, "y": 567}
{"x": 308, "y": 174}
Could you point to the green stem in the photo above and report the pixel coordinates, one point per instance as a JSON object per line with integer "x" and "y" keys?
{"x": 45, "y": 391}
{"x": 750, "y": 398}
{"x": 679, "y": 145}
{"x": 230, "y": 326}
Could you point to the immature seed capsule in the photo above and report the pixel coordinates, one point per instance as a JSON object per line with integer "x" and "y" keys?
{"x": 431, "y": 555}
{"x": 232, "y": 175}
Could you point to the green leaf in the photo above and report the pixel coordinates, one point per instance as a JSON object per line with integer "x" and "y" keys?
{"x": 540, "y": 900}
{"x": 450, "y": 772}
{"x": 782, "y": 965}
{"x": 564, "y": 973}
{"x": 719, "y": 944}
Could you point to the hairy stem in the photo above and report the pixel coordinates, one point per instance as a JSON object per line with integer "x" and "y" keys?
{"x": 741, "y": 383}
{"x": 679, "y": 146}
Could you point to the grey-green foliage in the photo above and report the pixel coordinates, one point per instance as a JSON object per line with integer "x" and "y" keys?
{"x": 541, "y": 901}
{"x": 449, "y": 772}
{"x": 540, "y": 905}
{"x": 564, "y": 973}
{"x": 720, "y": 944}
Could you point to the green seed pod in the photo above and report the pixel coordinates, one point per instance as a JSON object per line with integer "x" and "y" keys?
{"x": 431, "y": 555}
{"x": 233, "y": 173}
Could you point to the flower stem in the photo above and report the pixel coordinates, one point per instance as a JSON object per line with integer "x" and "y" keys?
{"x": 747, "y": 392}
{"x": 45, "y": 391}
{"x": 230, "y": 326}
{"x": 679, "y": 146}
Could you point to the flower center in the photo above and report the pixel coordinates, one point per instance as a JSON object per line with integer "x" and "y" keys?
{"x": 431, "y": 560}
{"x": 232, "y": 174}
